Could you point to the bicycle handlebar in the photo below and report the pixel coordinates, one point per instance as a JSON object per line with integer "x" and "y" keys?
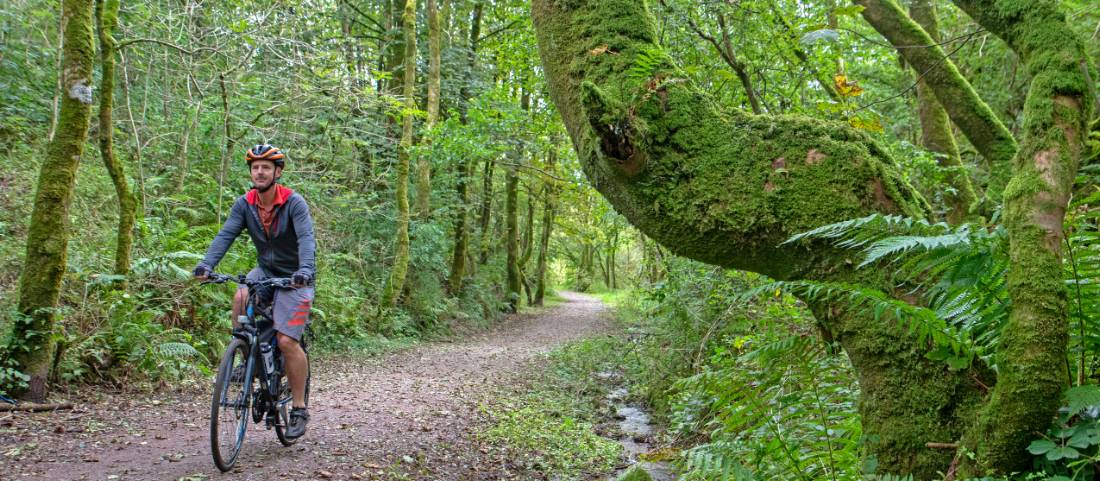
{"x": 214, "y": 278}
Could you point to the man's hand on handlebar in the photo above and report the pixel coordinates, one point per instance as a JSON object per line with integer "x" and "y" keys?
{"x": 300, "y": 279}
{"x": 202, "y": 272}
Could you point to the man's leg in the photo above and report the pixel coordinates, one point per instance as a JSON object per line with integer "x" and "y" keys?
{"x": 297, "y": 367}
{"x": 292, "y": 309}
{"x": 240, "y": 299}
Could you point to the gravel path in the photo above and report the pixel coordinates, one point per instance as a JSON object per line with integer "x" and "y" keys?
{"x": 405, "y": 415}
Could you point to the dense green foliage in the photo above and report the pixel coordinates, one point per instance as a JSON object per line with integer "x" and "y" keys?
{"x": 198, "y": 83}
{"x": 748, "y": 383}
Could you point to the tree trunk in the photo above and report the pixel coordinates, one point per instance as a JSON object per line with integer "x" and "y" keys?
{"x": 423, "y": 162}
{"x": 396, "y": 281}
{"x": 107, "y": 15}
{"x": 1059, "y": 106}
{"x": 48, "y": 237}
{"x": 611, "y": 261}
{"x": 526, "y": 246}
{"x": 547, "y": 225}
{"x": 135, "y": 134}
{"x": 705, "y": 184}
{"x": 228, "y": 145}
{"x": 511, "y": 236}
{"x": 486, "y": 209}
{"x": 936, "y": 134}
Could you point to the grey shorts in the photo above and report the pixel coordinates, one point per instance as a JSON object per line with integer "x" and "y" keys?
{"x": 291, "y": 307}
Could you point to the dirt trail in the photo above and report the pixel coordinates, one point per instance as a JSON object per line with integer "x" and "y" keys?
{"x": 406, "y": 415}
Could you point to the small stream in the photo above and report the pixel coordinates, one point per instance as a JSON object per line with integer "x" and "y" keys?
{"x": 636, "y": 429}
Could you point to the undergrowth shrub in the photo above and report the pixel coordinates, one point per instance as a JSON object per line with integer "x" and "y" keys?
{"x": 551, "y": 428}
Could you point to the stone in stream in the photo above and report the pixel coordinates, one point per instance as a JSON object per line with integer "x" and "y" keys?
{"x": 635, "y": 474}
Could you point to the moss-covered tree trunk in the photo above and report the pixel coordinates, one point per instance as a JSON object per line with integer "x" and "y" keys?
{"x": 486, "y": 209}
{"x": 938, "y": 73}
{"x": 1060, "y": 100}
{"x": 48, "y": 237}
{"x": 511, "y": 236}
{"x": 936, "y": 134}
{"x": 727, "y": 188}
{"x": 400, "y": 268}
{"x": 423, "y": 162}
{"x": 107, "y": 16}
{"x": 544, "y": 237}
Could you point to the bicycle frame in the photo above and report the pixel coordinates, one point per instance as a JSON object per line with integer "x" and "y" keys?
{"x": 264, "y": 401}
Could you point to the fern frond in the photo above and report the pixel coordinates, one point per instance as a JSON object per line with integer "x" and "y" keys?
{"x": 922, "y": 321}
{"x": 176, "y": 350}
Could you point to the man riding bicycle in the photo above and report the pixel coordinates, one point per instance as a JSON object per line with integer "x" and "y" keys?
{"x": 279, "y": 223}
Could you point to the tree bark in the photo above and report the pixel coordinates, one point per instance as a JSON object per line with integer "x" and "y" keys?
{"x": 486, "y": 209}
{"x": 400, "y": 268}
{"x": 1032, "y": 372}
{"x": 48, "y": 237}
{"x": 973, "y": 116}
{"x": 423, "y": 162}
{"x": 107, "y": 15}
{"x": 511, "y": 236}
{"x": 936, "y": 134}
{"x": 228, "y": 145}
{"x": 547, "y": 225}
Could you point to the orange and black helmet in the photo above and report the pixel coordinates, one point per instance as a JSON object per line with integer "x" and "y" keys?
{"x": 265, "y": 152}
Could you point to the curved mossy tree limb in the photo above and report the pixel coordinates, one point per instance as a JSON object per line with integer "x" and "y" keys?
{"x": 48, "y": 237}
{"x": 969, "y": 112}
{"x": 727, "y": 188}
{"x": 1032, "y": 368}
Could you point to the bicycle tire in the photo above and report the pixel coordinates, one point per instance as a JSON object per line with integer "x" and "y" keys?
{"x": 225, "y": 451}
{"x": 285, "y": 398}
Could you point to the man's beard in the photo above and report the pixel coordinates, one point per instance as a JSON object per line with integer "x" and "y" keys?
{"x": 267, "y": 187}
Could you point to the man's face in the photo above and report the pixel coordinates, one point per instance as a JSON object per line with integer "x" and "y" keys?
{"x": 264, "y": 173}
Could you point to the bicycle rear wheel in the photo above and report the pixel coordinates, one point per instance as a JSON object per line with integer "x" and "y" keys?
{"x": 229, "y": 409}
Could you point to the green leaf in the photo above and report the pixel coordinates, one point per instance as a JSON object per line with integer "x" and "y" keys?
{"x": 1063, "y": 453}
{"x": 1085, "y": 438}
{"x": 1041, "y": 446}
{"x": 956, "y": 363}
{"x": 849, "y": 11}
{"x": 815, "y": 36}
{"x": 1081, "y": 397}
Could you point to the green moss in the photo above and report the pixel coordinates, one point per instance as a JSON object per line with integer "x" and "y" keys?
{"x": 725, "y": 188}
{"x": 1032, "y": 353}
{"x": 396, "y": 281}
{"x": 107, "y": 14}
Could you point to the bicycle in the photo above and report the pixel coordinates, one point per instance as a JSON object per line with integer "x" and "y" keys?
{"x": 262, "y": 394}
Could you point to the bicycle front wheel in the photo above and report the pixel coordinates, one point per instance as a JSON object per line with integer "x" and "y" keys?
{"x": 229, "y": 409}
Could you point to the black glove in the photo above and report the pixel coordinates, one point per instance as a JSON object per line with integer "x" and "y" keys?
{"x": 301, "y": 278}
{"x": 202, "y": 270}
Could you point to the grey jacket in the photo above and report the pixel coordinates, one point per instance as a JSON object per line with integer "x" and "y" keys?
{"x": 288, "y": 250}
